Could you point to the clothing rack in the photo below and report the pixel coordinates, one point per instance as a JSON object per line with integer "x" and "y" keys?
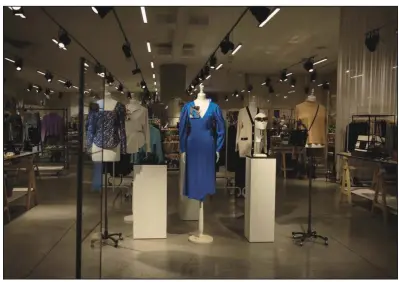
{"x": 64, "y": 140}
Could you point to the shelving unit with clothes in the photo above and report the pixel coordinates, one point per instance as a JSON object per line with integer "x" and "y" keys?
{"x": 171, "y": 147}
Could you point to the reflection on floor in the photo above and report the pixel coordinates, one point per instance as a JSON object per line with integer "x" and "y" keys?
{"x": 41, "y": 243}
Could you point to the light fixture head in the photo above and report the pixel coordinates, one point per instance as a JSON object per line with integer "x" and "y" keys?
{"x": 120, "y": 87}
{"x": 250, "y": 88}
{"x": 326, "y": 85}
{"x": 18, "y": 12}
{"x": 283, "y": 75}
{"x": 102, "y": 11}
{"x": 372, "y": 40}
{"x": 308, "y": 65}
{"x": 313, "y": 76}
{"x": 226, "y": 45}
{"x": 48, "y": 76}
{"x": 213, "y": 62}
{"x": 226, "y": 98}
{"x": 143, "y": 84}
{"x": 136, "y": 71}
{"x": 260, "y": 13}
{"x": 29, "y": 88}
{"x": 109, "y": 79}
{"x": 99, "y": 70}
{"x": 127, "y": 50}
{"x": 63, "y": 39}
{"x": 18, "y": 64}
{"x": 293, "y": 82}
{"x": 68, "y": 84}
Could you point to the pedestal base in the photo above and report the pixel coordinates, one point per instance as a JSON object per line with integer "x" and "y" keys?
{"x": 200, "y": 239}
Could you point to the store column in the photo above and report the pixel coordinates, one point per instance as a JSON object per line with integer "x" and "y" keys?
{"x": 173, "y": 86}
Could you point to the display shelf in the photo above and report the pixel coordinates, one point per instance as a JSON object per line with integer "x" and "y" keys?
{"x": 171, "y": 148}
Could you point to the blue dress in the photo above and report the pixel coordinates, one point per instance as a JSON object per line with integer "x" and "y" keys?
{"x": 200, "y": 139}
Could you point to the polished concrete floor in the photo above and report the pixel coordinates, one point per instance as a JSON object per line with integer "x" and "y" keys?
{"x": 40, "y": 243}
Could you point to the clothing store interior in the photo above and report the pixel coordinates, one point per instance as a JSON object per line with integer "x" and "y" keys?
{"x": 136, "y": 141}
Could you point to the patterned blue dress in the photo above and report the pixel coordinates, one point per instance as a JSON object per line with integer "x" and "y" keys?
{"x": 197, "y": 140}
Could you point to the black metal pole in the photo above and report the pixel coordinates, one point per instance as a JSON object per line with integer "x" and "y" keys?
{"x": 79, "y": 194}
{"x": 310, "y": 175}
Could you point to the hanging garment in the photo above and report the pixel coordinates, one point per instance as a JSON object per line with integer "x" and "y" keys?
{"x": 197, "y": 141}
{"x": 155, "y": 137}
{"x": 137, "y": 128}
{"x": 52, "y": 124}
{"x": 354, "y": 129}
{"x": 245, "y": 131}
{"x": 106, "y": 129}
{"x": 14, "y": 127}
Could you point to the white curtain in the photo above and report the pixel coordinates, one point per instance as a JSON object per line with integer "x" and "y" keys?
{"x": 367, "y": 82}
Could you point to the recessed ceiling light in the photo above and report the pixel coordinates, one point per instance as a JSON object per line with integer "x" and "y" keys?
{"x": 219, "y": 66}
{"x": 320, "y": 61}
{"x": 40, "y": 72}
{"x": 61, "y": 81}
{"x": 12, "y": 61}
{"x": 152, "y": 65}
{"x": 149, "y": 47}
{"x": 288, "y": 74}
{"x": 208, "y": 77}
{"x": 143, "y": 14}
{"x": 86, "y": 65}
{"x": 153, "y": 75}
{"x": 155, "y": 83}
{"x": 243, "y": 90}
{"x": 236, "y": 49}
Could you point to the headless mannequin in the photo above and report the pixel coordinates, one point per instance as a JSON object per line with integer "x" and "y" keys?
{"x": 106, "y": 155}
{"x": 200, "y": 237}
{"x": 306, "y": 112}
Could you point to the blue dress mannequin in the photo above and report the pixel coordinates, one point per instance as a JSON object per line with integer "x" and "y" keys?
{"x": 198, "y": 143}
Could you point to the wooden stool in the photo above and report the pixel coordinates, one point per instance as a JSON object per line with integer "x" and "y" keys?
{"x": 346, "y": 190}
{"x": 380, "y": 188}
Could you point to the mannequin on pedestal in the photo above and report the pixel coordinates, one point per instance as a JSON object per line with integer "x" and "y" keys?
{"x": 260, "y": 142}
{"x": 245, "y": 137}
{"x": 199, "y": 152}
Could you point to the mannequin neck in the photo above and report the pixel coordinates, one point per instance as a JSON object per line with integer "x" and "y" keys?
{"x": 311, "y": 98}
{"x": 252, "y": 105}
{"x": 201, "y": 96}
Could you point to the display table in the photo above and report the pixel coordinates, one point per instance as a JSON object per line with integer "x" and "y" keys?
{"x": 188, "y": 208}
{"x": 284, "y": 150}
{"x": 149, "y": 204}
{"x": 260, "y": 198}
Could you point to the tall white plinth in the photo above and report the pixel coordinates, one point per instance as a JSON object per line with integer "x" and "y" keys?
{"x": 188, "y": 208}
{"x": 260, "y": 198}
{"x": 149, "y": 203}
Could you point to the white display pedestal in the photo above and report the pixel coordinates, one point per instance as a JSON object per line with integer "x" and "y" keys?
{"x": 260, "y": 198}
{"x": 188, "y": 208}
{"x": 149, "y": 202}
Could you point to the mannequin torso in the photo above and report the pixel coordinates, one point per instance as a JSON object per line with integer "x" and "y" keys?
{"x": 137, "y": 127}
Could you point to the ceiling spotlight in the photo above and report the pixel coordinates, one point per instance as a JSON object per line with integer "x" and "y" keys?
{"x": 226, "y": 98}
{"x": 271, "y": 89}
{"x": 143, "y": 14}
{"x": 18, "y": 65}
{"x": 236, "y": 49}
{"x": 47, "y": 91}
{"x": 48, "y": 76}
{"x": 201, "y": 75}
{"x": 126, "y": 50}
{"x": 326, "y": 85}
{"x": 293, "y": 82}
{"x": 38, "y": 89}
{"x": 68, "y": 84}
{"x": 250, "y": 88}
{"x": 29, "y": 88}
{"x": 109, "y": 79}
{"x": 99, "y": 70}
{"x": 372, "y": 40}
{"x": 63, "y": 39}
{"x": 283, "y": 75}
{"x": 136, "y": 71}
{"x": 242, "y": 91}
{"x": 313, "y": 76}
{"x": 101, "y": 11}
{"x": 212, "y": 62}
{"x": 226, "y": 45}
{"x": 236, "y": 94}
{"x": 308, "y": 65}
{"x": 18, "y": 12}
{"x": 120, "y": 87}
{"x": 207, "y": 70}
{"x": 267, "y": 82}
{"x": 262, "y": 14}
{"x": 143, "y": 84}
{"x": 219, "y": 66}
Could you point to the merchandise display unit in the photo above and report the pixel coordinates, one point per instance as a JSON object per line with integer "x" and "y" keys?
{"x": 170, "y": 145}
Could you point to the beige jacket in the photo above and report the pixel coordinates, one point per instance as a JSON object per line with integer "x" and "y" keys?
{"x": 244, "y": 133}
{"x": 137, "y": 128}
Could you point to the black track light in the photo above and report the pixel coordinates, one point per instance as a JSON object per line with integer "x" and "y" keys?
{"x": 267, "y": 82}
{"x": 18, "y": 65}
{"x": 38, "y": 89}
{"x": 250, "y": 88}
{"x": 99, "y": 70}
{"x": 207, "y": 70}
{"x": 293, "y": 82}
{"x": 29, "y": 88}
{"x": 109, "y": 79}
{"x": 201, "y": 76}
{"x": 120, "y": 87}
{"x": 47, "y": 91}
{"x": 63, "y": 39}
{"x": 68, "y": 84}
{"x": 326, "y": 85}
{"x": 136, "y": 71}
{"x": 372, "y": 40}
{"x": 143, "y": 84}
{"x": 101, "y": 11}
{"x": 236, "y": 94}
{"x": 283, "y": 75}
{"x": 313, "y": 76}
{"x": 226, "y": 45}
{"x": 126, "y": 50}
{"x": 260, "y": 13}
{"x": 18, "y": 12}
{"x": 271, "y": 89}
{"x": 226, "y": 98}
{"x": 48, "y": 76}
{"x": 213, "y": 61}
{"x": 308, "y": 65}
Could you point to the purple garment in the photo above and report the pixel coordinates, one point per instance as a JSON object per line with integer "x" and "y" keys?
{"x": 52, "y": 124}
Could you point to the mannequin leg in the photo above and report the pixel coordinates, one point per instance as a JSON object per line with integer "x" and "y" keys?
{"x": 200, "y": 237}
